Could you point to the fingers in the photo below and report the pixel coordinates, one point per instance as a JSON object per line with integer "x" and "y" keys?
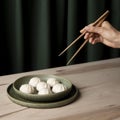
{"x": 94, "y": 40}
{"x": 93, "y": 29}
{"x": 86, "y": 36}
{"x": 83, "y": 30}
{"x": 92, "y": 37}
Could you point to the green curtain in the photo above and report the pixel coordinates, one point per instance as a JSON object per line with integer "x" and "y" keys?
{"x": 34, "y": 32}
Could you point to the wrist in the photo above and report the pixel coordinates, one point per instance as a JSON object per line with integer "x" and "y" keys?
{"x": 117, "y": 40}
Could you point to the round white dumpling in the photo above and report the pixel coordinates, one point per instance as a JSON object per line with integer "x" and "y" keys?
{"x": 26, "y": 88}
{"x": 34, "y": 81}
{"x": 44, "y": 91}
{"x": 52, "y": 81}
{"x": 42, "y": 85}
{"x": 58, "y": 88}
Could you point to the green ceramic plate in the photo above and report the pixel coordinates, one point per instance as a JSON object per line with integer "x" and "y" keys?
{"x": 72, "y": 96}
{"x": 36, "y": 97}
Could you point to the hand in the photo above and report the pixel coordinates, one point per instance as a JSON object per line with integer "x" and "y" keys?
{"x": 105, "y": 34}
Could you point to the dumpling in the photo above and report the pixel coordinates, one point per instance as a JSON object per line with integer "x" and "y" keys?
{"x": 42, "y": 85}
{"x": 26, "y": 88}
{"x": 52, "y": 81}
{"x": 58, "y": 88}
{"x": 34, "y": 81}
{"x": 44, "y": 91}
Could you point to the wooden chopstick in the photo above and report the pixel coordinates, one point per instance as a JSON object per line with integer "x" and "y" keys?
{"x": 72, "y": 43}
{"x": 101, "y": 18}
{"x": 84, "y": 43}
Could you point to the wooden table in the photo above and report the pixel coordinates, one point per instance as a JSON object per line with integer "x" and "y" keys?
{"x": 98, "y": 82}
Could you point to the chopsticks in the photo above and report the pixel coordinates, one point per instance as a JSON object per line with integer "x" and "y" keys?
{"x": 98, "y": 22}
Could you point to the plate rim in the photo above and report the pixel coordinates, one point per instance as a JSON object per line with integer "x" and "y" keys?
{"x": 32, "y": 104}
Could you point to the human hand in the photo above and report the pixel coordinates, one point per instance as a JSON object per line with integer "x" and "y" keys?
{"x": 105, "y": 34}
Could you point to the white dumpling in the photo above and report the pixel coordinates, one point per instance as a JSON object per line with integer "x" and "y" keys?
{"x": 58, "y": 88}
{"x": 42, "y": 85}
{"x": 34, "y": 81}
{"x": 52, "y": 81}
{"x": 44, "y": 91}
{"x": 26, "y": 88}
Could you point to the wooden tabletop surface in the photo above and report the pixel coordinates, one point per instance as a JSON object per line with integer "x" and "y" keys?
{"x": 98, "y": 83}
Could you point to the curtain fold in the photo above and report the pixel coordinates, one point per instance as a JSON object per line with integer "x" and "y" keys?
{"x": 12, "y": 36}
{"x": 40, "y": 43}
{"x": 34, "y": 32}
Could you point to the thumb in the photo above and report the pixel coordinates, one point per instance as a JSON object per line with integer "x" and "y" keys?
{"x": 93, "y": 29}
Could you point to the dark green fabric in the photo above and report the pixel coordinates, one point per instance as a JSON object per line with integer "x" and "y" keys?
{"x": 34, "y": 32}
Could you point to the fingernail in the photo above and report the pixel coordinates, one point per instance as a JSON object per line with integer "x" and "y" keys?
{"x": 82, "y": 30}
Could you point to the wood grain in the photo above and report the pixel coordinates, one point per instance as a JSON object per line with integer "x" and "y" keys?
{"x": 98, "y": 83}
